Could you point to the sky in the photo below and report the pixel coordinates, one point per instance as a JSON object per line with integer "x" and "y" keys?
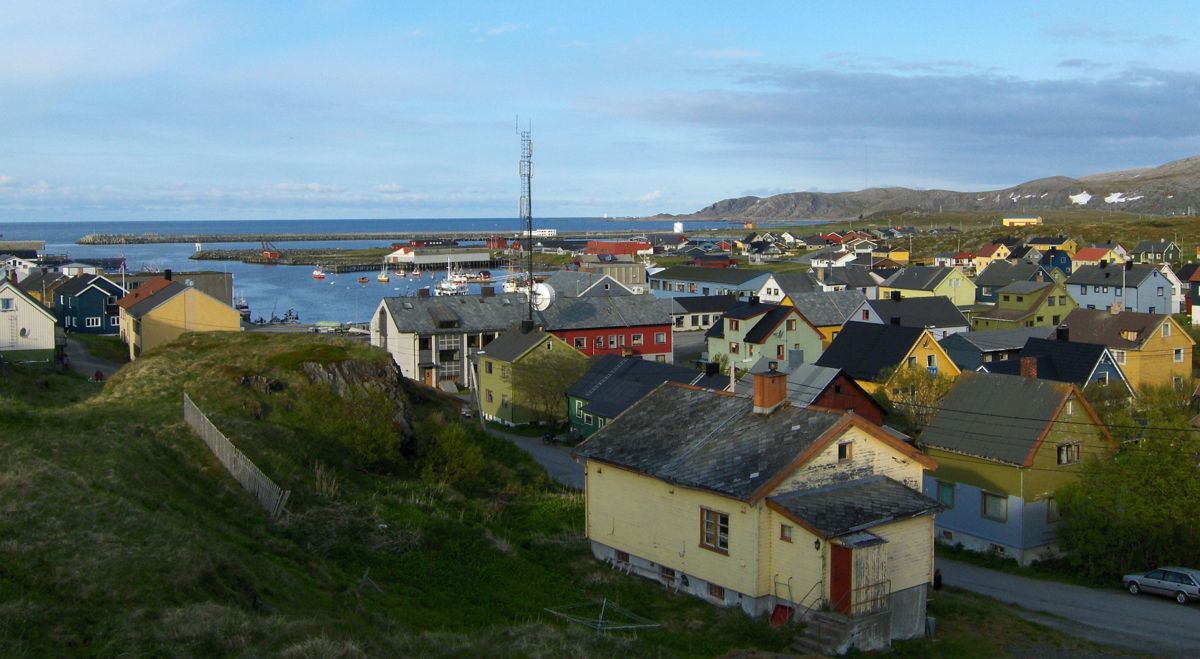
{"x": 230, "y": 110}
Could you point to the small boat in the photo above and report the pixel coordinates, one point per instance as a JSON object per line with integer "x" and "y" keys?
{"x": 243, "y": 308}
{"x": 416, "y": 272}
{"x": 383, "y": 277}
{"x": 318, "y": 273}
{"x": 363, "y": 280}
{"x": 447, "y": 287}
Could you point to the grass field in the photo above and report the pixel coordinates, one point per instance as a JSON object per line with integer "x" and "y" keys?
{"x": 120, "y": 534}
{"x": 110, "y": 348}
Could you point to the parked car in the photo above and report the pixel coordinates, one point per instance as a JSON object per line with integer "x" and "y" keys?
{"x": 466, "y": 411}
{"x": 1181, "y": 583}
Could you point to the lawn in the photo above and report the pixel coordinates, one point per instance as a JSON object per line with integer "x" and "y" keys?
{"x": 109, "y": 348}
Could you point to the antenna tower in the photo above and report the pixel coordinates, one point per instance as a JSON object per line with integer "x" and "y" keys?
{"x": 527, "y": 211}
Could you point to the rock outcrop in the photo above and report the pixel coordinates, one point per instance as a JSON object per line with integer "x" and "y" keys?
{"x": 351, "y": 375}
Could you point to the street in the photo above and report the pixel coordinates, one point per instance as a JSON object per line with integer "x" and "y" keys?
{"x": 82, "y": 361}
{"x": 556, "y": 459}
{"x": 1145, "y": 623}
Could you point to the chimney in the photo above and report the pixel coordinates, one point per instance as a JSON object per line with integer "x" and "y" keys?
{"x": 895, "y": 296}
{"x": 753, "y": 299}
{"x": 1062, "y": 333}
{"x": 1129, "y": 265}
{"x": 1029, "y": 367}
{"x": 770, "y": 389}
{"x": 526, "y": 326}
{"x": 167, "y": 274}
{"x": 1103, "y": 263}
{"x": 1114, "y": 308}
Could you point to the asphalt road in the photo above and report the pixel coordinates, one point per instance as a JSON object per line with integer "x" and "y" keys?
{"x": 81, "y": 361}
{"x": 1144, "y": 623}
{"x": 556, "y": 459}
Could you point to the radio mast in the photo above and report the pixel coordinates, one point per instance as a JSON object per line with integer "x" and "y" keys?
{"x": 526, "y": 210}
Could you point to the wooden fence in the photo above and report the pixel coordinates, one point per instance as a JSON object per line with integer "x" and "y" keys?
{"x": 270, "y": 496}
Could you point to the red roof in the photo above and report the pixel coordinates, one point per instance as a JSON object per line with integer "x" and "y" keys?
{"x": 1092, "y": 253}
{"x": 148, "y": 288}
{"x": 964, "y": 255}
{"x": 990, "y": 250}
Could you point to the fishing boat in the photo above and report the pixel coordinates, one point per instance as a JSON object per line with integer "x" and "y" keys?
{"x": 318, "y": 273}
{"x": 243, "y": 308}
{"x": 447, "y": 287}
{"x": 383, "y": 277}
{"x": 363, "y": 280}
{"x": 416, "y": 272}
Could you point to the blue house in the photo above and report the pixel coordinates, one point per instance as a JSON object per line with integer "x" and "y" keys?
{"x": 1056, "y": 259}
{"x": 88, "y": 304}
{"x": 999, "y": 274}
{"x": 1136, "y": 287}
{"x": 687, "y": 281}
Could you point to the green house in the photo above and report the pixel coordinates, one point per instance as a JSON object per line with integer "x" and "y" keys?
{"x": 1026, "y": 304}
{"x": 754, "y": 329}
{"x": 524, "y": 374}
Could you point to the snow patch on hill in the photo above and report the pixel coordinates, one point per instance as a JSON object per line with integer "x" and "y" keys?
{"x": 1082, "y": 198}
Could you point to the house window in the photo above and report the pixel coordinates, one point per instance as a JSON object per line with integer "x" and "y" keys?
{"x": 612, "y": 340}
{"x": 1120, "y": 291}
{"x": 503, "y": 400}
{"x": 1055, "y": 319}
{"x": 945, "y": 494}
{"x": 866, "y": 314}
{"x": 734, "y": 325}
{"x": 115, "y": 321}
{"x": 1159, "y": 293}
{"x": 637, "y": 339}
{"x": 716, "y": 592}
{"x": 1005, "y": 298}
{"x": 791, "y": 325}
{"x": 92, "y": 321}
{"x": 734, "y": 347}
{"x": 666, "y": 574}
{"x": 1166, "y": 328}
{"x": 1105, "y": 290}
{"x": 580, "y": 342}
{"x": 487, "y": 367}
{"x": 1179, "y": 355}
{"x": 911, "y": 362}
{"x": 1051, "y": 510}
{"x": 599, "y": 342}
{"x": 1062, "y": 299}
{"x": 845, "y": 451}
{"x": 622, "y": 556}
{"x": 1095, "y": 289}
{"x": 578, "y": 406}
{"x": 714, "y": 530}
{"x": 1119, "y": 355}
{"x": 993, "y": 507}
{"x": 660, "y": 337}
{"x": 679, "y": 287}
{"x": 6, "y": 304}
{"x": 1041, "y": 319}
{"x": 785, "y": 532}
{"x": 1050, "y": 301}
{"x": 1102, "y": 377}
{"x": 1068, "y": 454}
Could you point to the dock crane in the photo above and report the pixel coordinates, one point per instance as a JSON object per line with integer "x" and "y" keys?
{"x": 270, "y": 252}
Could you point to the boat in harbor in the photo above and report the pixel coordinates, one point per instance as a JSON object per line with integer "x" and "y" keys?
{"x": 416, "y": 272}
{"x": 243, "y": 308}
{"x": 318, "y": 273}
{"x": 363, "y": 280}
{"x": 383, "y": 277}
{"x": 447, "y": 287}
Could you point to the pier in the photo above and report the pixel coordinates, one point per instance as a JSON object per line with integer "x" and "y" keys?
{"x": 465, "y": 236}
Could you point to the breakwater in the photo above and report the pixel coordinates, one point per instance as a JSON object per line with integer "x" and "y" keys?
{"x": 162, "y": 238}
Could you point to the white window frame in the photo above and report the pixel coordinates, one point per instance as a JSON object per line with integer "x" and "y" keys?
{"x": 93, "y": 322}
{"x": 1178, "y": 356}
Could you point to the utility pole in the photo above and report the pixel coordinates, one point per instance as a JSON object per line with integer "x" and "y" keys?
{"x": 526, "y": 209}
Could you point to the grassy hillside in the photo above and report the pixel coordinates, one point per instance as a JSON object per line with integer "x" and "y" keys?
{"x": 121, "y": 534}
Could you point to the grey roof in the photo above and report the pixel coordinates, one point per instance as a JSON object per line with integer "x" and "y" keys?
{"x": 919, "y": 277}
{"x": 706, "y": 439}
{"x": 795, "y": 283}
{"x": 162, "y": 295}
{"x": 1151, "y": 246}
{"x": 703, "y": 303}
{"x": 1104, "y": 327}
{"x": 841, "y": 508}
{"x": 1002, "y": 273}
{"x": 1023, "y": 251}
{"x": 493, "y": 314}
{"x": 573, "y": 283}
{"x": 935, "y": 311}
{"x": 996, "y": 417}
{"x": 513, "y": 343}
{"x": 80, "y": 283}
{"x": 38, "y": 278}
{"x": 1061, "y": 361}
{"x": 730, "y": 276}
{"x": 1026, "y": 287}
{"x": 805, "y": 381}
{"x": 1113, "y": 275}
{"x": 612, "y": 383}
{"x": 855, "y": 276}
{"x": 865, "y": 350}
{"x": 825, "y": 308}
{"x": 1006, "y": 339}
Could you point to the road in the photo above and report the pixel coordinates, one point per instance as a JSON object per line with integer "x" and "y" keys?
{"x": 82, "y": 361}
{"x": 556, "y": 459}
{"x": 1145, "y": 623}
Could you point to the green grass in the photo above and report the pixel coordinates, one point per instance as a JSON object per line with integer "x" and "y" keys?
{"x": 110, "y": 348}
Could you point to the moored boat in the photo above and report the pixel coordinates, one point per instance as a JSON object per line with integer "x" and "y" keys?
{"x": 363, "y": 280}
{"x": 318, "y": 273}
{"x": 383, "y": 277}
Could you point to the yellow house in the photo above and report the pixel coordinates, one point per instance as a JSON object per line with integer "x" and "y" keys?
{"x": 1094, "y": 255}
{"x": 1044, "y": 244}
{"x": 900, "y": 255}
{"x": 1152, "y": 349}
{"x": 989, "y": 253}
{"x": 755, "y": 503}
{"x": 159, "y": 311}
{"x": 928, "y": 281}
{"x": 1021, "y": 220}
{"x": 874, "y": 353}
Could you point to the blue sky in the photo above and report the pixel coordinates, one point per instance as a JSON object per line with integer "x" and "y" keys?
{"x": 230, "y": 110}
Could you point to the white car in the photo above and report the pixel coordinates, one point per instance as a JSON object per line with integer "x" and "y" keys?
{"x": 1180, "y": 583}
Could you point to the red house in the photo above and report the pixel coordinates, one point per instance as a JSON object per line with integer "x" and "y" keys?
{"x": 619, "y": 325}
{"x": 820, "y": 386}
{"x": 615, "y": 248}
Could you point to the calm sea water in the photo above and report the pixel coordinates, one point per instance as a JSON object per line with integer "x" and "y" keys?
{"x": 275, "y": 289}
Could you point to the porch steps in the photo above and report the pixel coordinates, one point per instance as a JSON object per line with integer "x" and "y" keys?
{"x": 824, "y": 634}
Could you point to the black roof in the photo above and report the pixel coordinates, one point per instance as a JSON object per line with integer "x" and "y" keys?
{"x": 767, "y": 324}
{"x": 703, "y": 303}
{"x": 935, "y": 311}
{"x": 612, "y": 383}
{"x": 513, "y": 343}
{"x": 865, "y": 350}
{"x": 79, "y": 283}
{"x": 1061, "y": 361}
{"x": 919, "y": 277}
{"x": 712, "y": 275}
{"x": 996, "y": 417}
{"x": 706, "y": 439}
{"x": 1113, "y": 275}
{"x": 850, "y": 506}
{"x": 1002, "y": 273}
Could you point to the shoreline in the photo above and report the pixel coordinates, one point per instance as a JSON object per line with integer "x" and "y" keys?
{"x": 157, "y": 238}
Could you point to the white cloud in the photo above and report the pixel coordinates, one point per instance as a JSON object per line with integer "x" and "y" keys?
{"x": 650, "y": 197}
{"x": 5, "y": 179}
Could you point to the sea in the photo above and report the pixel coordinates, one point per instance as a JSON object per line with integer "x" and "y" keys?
{"x": 275, "y": 289}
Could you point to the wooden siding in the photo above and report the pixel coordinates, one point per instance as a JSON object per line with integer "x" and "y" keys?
{"x": 870, "y": 457}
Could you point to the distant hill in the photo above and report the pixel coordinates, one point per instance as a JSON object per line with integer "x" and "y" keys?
{"x": 1163, "y": 190}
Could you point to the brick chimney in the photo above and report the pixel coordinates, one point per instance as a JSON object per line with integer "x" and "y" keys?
{"x": 770, "y": 389}
{"x": 1029, "y": 367}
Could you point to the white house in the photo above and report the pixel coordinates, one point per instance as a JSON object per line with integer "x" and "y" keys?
{"x": 26, "y": 327}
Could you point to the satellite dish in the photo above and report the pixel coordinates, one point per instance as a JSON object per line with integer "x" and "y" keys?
{"x": 543, "y": 296}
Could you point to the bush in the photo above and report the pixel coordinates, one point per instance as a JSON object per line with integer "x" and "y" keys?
{"x": 452, "y": 458}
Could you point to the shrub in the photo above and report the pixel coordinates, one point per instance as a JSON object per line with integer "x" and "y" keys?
{"x": 452, "y": 458}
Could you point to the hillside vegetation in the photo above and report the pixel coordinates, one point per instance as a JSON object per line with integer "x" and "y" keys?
{"x": 121, "y": 534}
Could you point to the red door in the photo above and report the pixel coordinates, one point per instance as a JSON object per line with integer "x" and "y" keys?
{"x": 841, "y": 558}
